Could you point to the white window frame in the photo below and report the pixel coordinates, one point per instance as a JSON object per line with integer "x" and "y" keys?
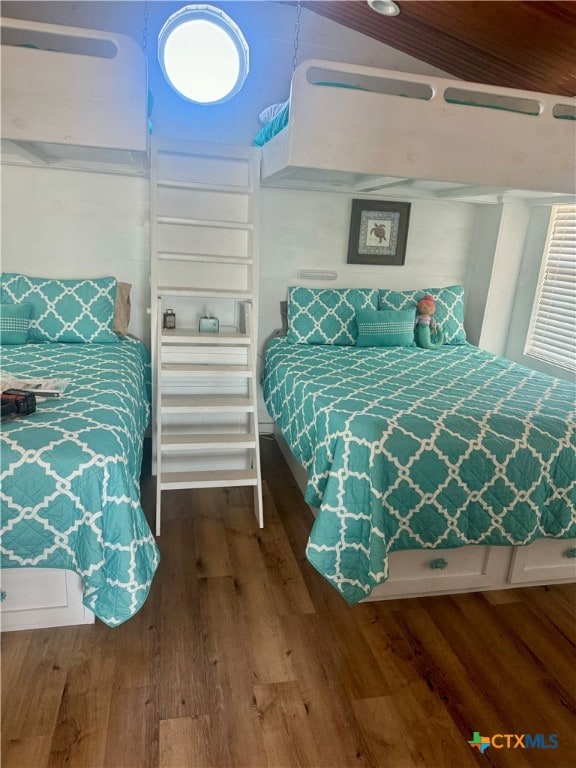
{"x": 552, "y": 332}
{"x": 197, "y": 79}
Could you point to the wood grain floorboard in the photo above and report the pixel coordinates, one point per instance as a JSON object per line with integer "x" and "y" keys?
{"x": 270, "y": 651}
{"x": 323, "y": 676}
{"x": 409, "y": 729}
{"x": 289, "y": 737}
{"x": 389, "y": 645}
{"x": 81, "y": 729}
{"x": 187, "y": 680}
{"x": 233, "y": 712}
{"x": 470, "y": 699}
{"x": 494, "y": 662}
{"x": 133, "y": 729}
{"x": 185, "y": 743}
{"x": 243, "y": 656}
{"x": 43, "y": 677}
{"x": 544, "y": 601}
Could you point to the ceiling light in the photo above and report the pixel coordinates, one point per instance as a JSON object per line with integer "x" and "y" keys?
{"x": 384, "y": 7}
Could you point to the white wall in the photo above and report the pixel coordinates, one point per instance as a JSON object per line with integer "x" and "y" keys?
{"x": 70, "y": 224}
{"x": 506, "y": 262}
{"x": 309, "y": 230}
{"x": 525, "y": 292}
{"x": 485, "y": 237}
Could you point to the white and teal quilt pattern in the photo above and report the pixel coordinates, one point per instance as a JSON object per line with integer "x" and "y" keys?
{"x": 407, "y": 448}
{"x": 70, "y": 473}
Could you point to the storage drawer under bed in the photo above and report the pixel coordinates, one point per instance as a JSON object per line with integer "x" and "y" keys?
{"x": 41, "y": 597}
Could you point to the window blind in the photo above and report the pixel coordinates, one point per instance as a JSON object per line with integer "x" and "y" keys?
{"x": 552, "y": 332}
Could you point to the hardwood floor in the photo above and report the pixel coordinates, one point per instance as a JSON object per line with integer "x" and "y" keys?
{"x": 244, "y": 656}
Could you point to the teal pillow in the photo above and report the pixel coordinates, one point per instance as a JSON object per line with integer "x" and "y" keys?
{"x": 327, "y": 315}
{"x": 449, "y": 308}
{"x": 77, "y": 311}
{"x": 386, "y": 328}
{"x": 14, "y": 323}
{"x": 273, "y": 127}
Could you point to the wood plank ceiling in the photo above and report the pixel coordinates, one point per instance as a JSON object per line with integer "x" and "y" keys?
{"x": 529, "y": 45}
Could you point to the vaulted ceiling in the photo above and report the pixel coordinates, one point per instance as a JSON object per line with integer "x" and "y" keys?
{"x": 529, "y": 45}
{"x": 525, "y": 44}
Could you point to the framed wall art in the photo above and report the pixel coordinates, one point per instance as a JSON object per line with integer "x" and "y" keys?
{"x": 378, "y": 232}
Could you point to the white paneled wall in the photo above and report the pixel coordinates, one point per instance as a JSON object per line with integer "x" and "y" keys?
{"x": 507, "y": 261}
{"x": 71, "y": 224}
{"x": 309, "y": 230}
{"x": 485, "y": 237}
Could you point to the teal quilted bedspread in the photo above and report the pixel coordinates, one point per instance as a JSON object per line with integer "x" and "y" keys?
{"x": 407, "y": 448}
{"x": 70, "y": 473}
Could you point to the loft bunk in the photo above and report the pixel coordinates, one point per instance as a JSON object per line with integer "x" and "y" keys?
{"x": 73, "y": 98}
{"x": 370, "y": 131}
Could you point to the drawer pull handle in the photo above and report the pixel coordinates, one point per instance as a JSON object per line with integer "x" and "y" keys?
{"x": 439, "y": 564}
{"x": 3, "y": 595}
{"x": 570, "y": 553}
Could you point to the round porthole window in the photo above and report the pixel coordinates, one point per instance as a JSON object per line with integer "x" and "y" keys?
{"x": 203, "y": 54}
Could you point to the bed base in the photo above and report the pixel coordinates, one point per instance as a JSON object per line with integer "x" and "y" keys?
{"x": 422, "y": 573}
{"x": 38, "y": 598}
{"x": 421, "y": 135}
{"x": 73, "y": 98}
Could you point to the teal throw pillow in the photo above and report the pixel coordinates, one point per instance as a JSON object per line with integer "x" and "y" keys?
{"x": 386, "y": 328}
{"x": 449, "y": 308}
{"x": 14, "y": 323}
{"x": 327, "y": 315}
{"x": 75, "y": 311}
{"x": 275, "y": 125}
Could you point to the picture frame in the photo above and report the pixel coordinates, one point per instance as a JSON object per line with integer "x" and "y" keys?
{"x": 378, "y": 232}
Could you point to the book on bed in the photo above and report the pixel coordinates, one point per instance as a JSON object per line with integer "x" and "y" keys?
{"x": 40, "y": 387}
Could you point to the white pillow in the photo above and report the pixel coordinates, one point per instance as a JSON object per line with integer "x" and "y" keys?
{"x": 268, "y": 114}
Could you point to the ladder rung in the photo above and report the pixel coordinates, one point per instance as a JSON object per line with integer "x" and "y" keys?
{"x": 212, "y": 478}
{"x": 210, "y": 371}
{"x": 206, "y": 403}
{"x": 204, "y": 186}
{"x": 232, "y": 440}
{"x": 204, "y": 259}
{"x": 203, "y": 293}
{"x": 215, "y": 223}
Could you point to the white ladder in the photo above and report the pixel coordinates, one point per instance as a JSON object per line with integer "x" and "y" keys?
{"x": 204, "y": 259}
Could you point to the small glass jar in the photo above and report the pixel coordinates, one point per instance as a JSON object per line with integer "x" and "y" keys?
{"x": 169, "y": 319}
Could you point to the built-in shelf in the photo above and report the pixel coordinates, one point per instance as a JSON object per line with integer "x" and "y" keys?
{"x": 186, "y": 336}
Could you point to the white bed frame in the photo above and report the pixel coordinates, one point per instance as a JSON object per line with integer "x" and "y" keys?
{"x": 414, "y": 142}
{"x": 77, "y": 99}
{"x": 415, "y": 573}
